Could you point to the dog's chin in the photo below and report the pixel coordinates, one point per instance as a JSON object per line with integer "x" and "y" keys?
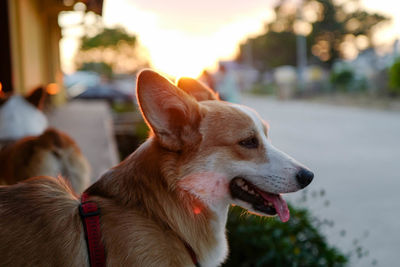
{"x": 259, "y": 201}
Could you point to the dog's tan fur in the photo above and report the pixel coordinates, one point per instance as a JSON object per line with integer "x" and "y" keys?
{"x": 40, "y": 225}
{"x": 52, "y": 153}
{"x": 168, "y": 192}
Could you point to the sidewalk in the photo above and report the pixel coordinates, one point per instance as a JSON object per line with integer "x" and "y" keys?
{"x": 89, "y": 123}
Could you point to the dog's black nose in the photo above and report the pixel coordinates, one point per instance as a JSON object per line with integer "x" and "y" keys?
{"x": 304, "y": 177}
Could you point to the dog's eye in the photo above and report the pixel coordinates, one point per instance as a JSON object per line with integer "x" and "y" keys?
{"x": 251, "y": 142}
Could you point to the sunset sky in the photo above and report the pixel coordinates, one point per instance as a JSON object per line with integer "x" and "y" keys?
{"x": 184, "y": 37}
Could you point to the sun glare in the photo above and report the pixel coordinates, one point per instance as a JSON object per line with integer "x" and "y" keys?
{"x": 182, "y": 45}
{"x": 181, "y": 51}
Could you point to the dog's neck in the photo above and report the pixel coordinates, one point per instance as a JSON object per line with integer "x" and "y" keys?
{"x": 141, "y": 182}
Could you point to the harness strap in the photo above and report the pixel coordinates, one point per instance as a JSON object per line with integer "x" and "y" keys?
{"x": 90, "y": 216}
{"x": 192, "y": 254}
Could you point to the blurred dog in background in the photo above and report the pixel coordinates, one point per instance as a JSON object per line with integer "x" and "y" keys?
{"x": 27, "y": 149}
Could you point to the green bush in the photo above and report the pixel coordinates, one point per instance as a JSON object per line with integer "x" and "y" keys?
{"x": 394, "y": 77}
{"x": 345, "y": 79}
{"x": 256, "y": 241}
{"x": 263, "y": 89}
{"x": 342, "y": 79}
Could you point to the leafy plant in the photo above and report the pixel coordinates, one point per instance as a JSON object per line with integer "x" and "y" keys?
{"x": 344, "y": 78}
{"x": 394, "y": 77}
{"x": 256, "y": 241}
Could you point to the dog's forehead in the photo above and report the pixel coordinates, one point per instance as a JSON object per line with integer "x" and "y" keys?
{"x": 234, "y": 116}
{"x": 258, "y": 122}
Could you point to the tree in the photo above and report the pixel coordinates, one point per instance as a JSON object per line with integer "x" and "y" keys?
{"x": 271, "y": 50}
{"x": 332, "y": 30}
{"x": 111, "y": 48}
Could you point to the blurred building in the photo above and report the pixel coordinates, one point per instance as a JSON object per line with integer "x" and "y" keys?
{"x": 29, "y": 42}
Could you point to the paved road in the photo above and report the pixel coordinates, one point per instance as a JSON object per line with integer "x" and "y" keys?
{"x": 355, "y": 155}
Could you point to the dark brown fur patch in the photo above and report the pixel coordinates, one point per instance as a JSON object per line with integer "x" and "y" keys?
{"x": 16, "y": 159}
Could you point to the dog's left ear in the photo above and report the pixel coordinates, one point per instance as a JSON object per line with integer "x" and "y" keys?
{"x": 37, "y": 97}
{"x": 173, "y": 115}
{"x": 197, "y": 89}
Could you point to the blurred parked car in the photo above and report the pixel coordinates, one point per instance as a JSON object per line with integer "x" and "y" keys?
{"x": 89, "y": 85}
{"x": 104, "y": 91}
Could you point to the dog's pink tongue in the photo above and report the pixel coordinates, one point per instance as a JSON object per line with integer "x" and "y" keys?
{"x": 280, "y": 205}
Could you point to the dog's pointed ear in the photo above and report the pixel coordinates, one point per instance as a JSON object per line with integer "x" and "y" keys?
{"x": 37, "y": 97}
{"x": 197, "y": 89}
{"x": 173, "y": 115}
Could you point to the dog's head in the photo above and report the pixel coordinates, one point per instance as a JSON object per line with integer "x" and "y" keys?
{"x": 223, "y": 153}
{"x": 22, "y": 116}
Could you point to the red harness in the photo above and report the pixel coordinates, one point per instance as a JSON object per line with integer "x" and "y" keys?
{"x": 90, "y": 216}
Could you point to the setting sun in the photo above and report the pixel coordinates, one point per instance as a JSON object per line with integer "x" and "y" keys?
{"x": 192, "y": 47}
{"x": 185, "y": 43}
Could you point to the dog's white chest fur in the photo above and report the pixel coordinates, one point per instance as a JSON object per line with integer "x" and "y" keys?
{"x": 18, "y": 119}
{"x": 217, "y": 254}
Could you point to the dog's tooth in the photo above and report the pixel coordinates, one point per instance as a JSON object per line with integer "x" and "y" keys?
{"x": 240, "y": 182}
{"x": 245, "y": 187}
{"x": 251, "y": 191}
{"x": 269, "y": 204}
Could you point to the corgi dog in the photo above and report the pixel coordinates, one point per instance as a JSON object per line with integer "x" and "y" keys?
{"x": 28, "y": 148}
{"x": 172, "y": 193}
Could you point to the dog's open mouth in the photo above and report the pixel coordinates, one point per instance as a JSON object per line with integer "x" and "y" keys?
{"x": 270, "y": 204}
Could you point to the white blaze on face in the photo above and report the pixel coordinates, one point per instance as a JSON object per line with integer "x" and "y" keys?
{"x": 19, "y": 118}
{"x": 278, "y": 174}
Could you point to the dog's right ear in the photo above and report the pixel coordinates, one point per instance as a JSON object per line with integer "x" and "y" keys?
{"x": 37, "y": 97}
{"x": 173, "y": 115}
{"x": 197, "y": 89}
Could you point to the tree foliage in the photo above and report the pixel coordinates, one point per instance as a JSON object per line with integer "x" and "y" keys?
{"x": 113, "y": 47}
{"x": 107, "y": 38}
{"x": 332, "y": 30}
